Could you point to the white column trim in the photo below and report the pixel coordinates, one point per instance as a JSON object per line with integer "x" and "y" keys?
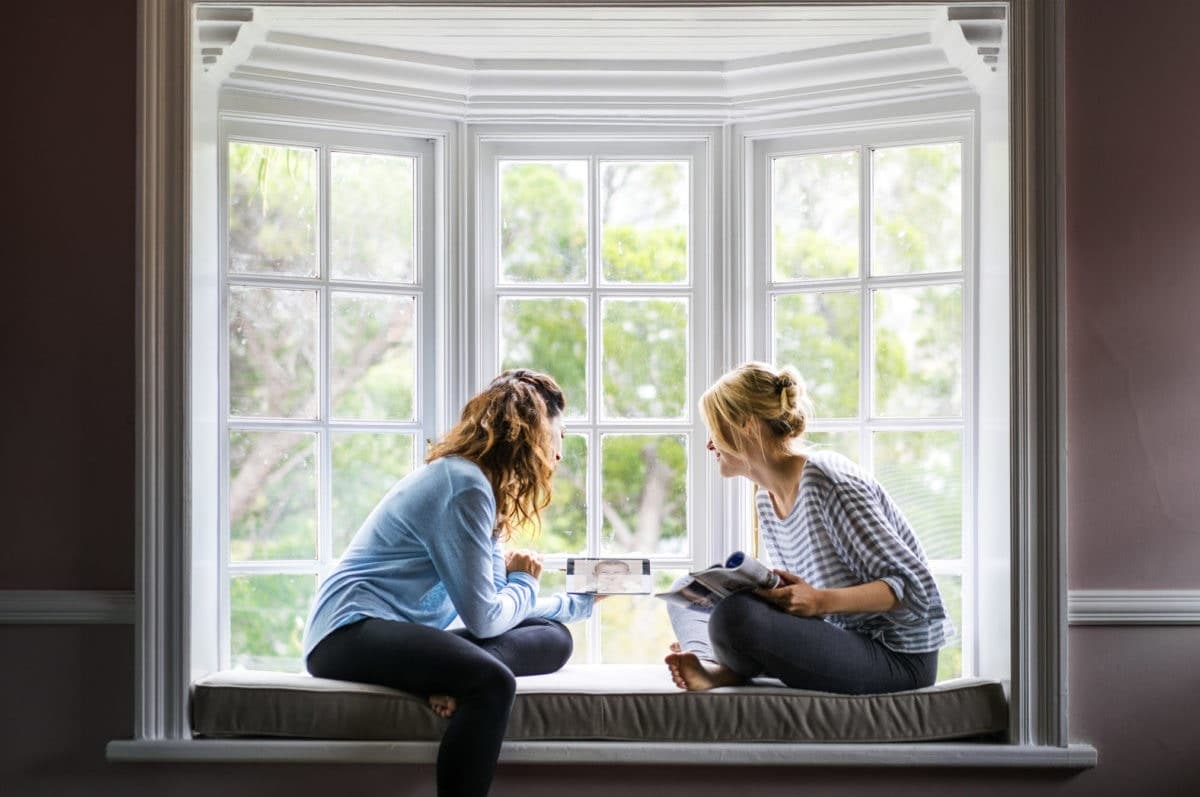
{"x": 1134, "y": 607}
{"x": 66, "y": 607}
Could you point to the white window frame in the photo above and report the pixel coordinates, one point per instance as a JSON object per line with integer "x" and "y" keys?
{"x": 165, "y": 415}
{"x": 494, "y": 145}
{"x": 325, "y": 141}
{"x": 862, "y": 139}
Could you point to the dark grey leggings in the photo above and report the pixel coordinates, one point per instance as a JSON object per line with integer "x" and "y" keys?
{"x": 755, "y": 638}
{"x": 478, "y": 673}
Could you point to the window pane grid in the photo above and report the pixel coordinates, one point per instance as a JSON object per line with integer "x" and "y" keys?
{"x": 864, "y": 430}
{"x": 244, "y": 579}
{"x": 610, "y": 283}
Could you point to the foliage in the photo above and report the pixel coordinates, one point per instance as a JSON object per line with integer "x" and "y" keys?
{"x": 642, "y": 374}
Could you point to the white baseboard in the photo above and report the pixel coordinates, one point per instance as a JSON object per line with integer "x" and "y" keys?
{"x": 1085, "y": 607}
{"x": 1134, "y": 607}
{"x": 66, "y": 607}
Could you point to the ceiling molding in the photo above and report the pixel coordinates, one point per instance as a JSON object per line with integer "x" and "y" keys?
{"x": 934, "y": 63}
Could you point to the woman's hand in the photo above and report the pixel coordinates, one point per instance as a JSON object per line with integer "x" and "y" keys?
{"x": 796, "y": 596}
{"x": 524, "y": 561}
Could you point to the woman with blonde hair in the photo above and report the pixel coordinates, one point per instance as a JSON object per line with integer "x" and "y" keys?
{"x": 858, "y": 610}
{"x": 432, "y": 550}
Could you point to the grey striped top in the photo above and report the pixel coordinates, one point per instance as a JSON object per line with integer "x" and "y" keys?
{"x": 844, "y": 530}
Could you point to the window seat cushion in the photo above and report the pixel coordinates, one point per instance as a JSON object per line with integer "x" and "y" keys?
{"x": 609, "y": 702}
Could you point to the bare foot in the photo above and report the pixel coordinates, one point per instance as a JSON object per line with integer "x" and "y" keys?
{"x": 443, "y": 705}
{"x": 689, "y": 672}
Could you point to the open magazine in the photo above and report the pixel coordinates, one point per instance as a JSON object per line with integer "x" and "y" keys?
{"x": 705, "y": 588}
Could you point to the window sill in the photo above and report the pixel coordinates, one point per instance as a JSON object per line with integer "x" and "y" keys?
{"x": 930, "y": 754}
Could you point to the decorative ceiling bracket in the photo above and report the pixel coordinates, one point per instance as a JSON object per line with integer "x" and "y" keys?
{"x": 983, "y": 28}
{"x": 216, "y": 31}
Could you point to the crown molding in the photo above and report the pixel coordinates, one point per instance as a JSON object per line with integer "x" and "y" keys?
{"x": 938, "y": 62}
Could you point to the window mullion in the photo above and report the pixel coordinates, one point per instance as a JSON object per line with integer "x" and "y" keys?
{"x": 324, "y": 371}
{"x": 593, "y": 375}
{"x": 866, "y": 346}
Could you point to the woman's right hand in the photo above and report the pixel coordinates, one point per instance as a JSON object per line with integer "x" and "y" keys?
{"x": 524, "y": 561}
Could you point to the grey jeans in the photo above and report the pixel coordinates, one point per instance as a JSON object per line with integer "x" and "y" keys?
{"x": 755, "y": 638}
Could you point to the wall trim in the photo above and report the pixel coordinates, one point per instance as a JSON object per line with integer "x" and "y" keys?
{"x": 116, "y": 607}
{"x": 66, "y": 607}
{"x": 1134, "y": 607}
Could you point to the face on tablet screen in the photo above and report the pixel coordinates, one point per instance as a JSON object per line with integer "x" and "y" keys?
{"x": 609, "y": 576}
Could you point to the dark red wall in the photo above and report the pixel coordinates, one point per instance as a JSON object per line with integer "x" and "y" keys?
{"x": 66, "y": 327}
{"x": 1133, "y": 290}
{"x": 66, "y": 460}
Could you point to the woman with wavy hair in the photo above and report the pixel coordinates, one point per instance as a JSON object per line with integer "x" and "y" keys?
{"x": 858, "y": 610}
{"x": 433, "y": 549}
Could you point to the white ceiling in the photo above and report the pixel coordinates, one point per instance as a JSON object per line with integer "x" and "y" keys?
{"x": 562, "y": 33}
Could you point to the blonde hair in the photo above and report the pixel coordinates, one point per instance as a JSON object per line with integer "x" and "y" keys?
{"x": 757, "y": 390}
{"x": 505, "y": 430}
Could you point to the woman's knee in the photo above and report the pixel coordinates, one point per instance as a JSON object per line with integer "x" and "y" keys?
{"x": 492, "y": 681}
{"x": 735, "y": 621}
{"x": 559, "y": 645}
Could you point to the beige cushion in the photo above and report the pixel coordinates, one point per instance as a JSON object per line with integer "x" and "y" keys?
{"x": 637, "y": 703}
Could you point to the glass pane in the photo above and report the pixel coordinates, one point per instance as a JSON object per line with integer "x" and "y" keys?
{"x": 814, "y": 216}
{"x": 548, "y": 335}
{"x": 845, "y": 443}
{"x": 644, "y": 494}
{"x": 950, "y": 657}
{"x": 272, "y": 352}
{"x": 374, "y": 370}
{"x": 564, "y": 521}
{"x": 272, "y": 495}
{"x": 552, "y": 583}
{"x": 922, "y": 472}
{"x": 645, "y": 357}
{"x": 644, "y": 221}
{"x": 266, "y": 622}
{"x": 818, "y": 334}
{"x": 371, "y": 219}
{"x": 635, "y": 629}
{"x": 543, "y": 221}
{"x": 272, "y": 209}
{"x": 365, "y": 466}
{"x": 918, "y": 352}
{"x": 917, "y": 203}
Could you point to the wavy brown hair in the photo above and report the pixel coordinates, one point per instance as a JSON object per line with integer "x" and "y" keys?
{"x": 505, "y": 430}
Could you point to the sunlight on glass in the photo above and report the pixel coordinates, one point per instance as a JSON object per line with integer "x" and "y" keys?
{"x": 916, "y": 196}
{"x": 553, "y": 582}
{"x": 564, "y": 521}
{"x": 918, "y": 351}
{"x": 272, "y": 495}
{"x": 950, "y": 657}
{"x": 543, "y": 221}
{"x": 644, "y": 501}
{"x": 817, "y": 333}
{"x": 635, "y": 629}
{"x": 644, "y": 362}
{"x": 548, "y": 335}
{"x": 266, "y": 620}
{"x": 371, "y": 219}
{"x": 373, "y": 372}
{"x": 272, "y": 209}
{"x": 644, "y": 221}
{"x": 814, "y": 216}
{"x": 845, "y": 443}
{"x": 272, "y": 352}
{"x": 365, "y": 466}
{"x": 922, "y": 472}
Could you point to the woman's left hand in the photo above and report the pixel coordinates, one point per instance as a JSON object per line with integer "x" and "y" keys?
{"x": 795, "y": 596}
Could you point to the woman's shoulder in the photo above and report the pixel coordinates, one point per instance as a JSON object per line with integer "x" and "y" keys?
{"x": 837, "y": 470}
{"x": 458, "y": 475}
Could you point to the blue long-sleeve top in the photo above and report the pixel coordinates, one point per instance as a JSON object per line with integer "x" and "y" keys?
{"x": 427, "y": 553}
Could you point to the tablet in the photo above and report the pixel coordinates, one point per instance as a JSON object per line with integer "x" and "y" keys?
{"x": 609, "y": 576}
